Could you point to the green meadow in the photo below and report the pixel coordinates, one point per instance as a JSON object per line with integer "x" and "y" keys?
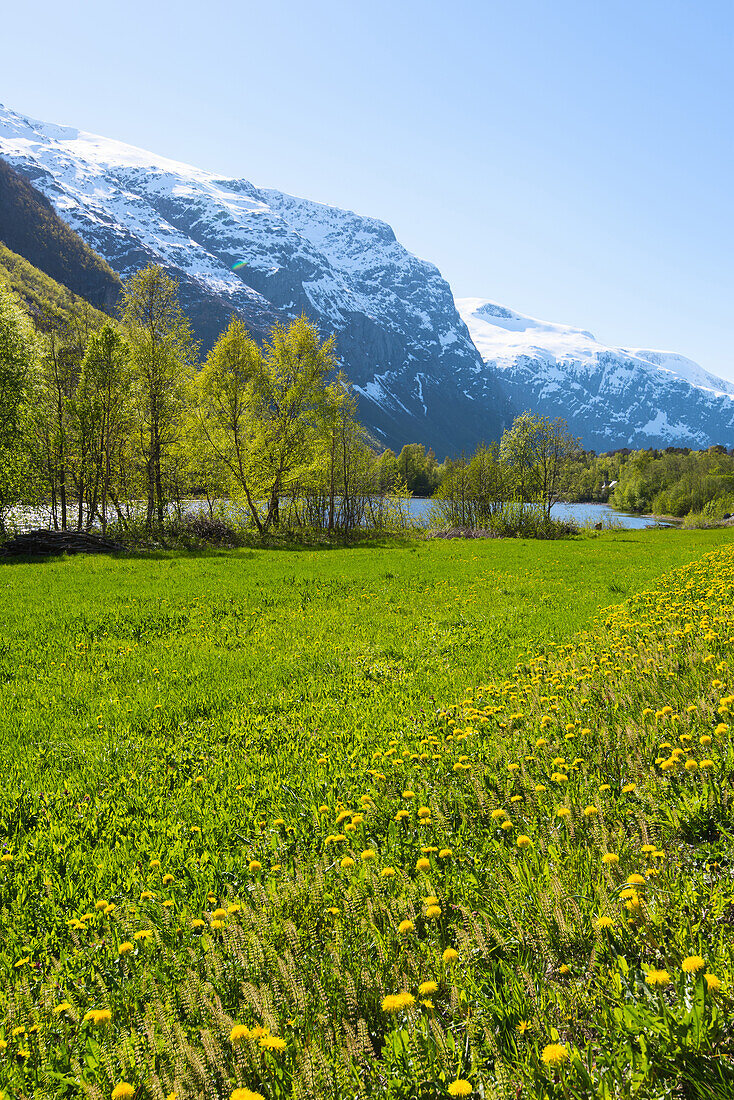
{"x": 96, "y": 651}
{"x": 412, "y": 820}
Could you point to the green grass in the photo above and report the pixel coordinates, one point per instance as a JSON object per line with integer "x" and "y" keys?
{"x": 305, "y": 641}
{"x": 229, "y": 780}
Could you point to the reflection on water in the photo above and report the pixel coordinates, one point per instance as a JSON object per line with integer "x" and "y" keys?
{"x": 583, "y": 514}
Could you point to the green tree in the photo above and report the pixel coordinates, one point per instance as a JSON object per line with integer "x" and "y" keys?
{"x": 163, "y": 354}
{"x": 103, "y": 415}
{"x": 539, "y": 451}
{"x": 261, "y": 410}
{"x": 18, "y": 352}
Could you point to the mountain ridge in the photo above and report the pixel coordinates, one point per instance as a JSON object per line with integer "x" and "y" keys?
{"x": 423, "y": 370}
{"x": 399, "y": 335}
{"x": 610, "y": 397}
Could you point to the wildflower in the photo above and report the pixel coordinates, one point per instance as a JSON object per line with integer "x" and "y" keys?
{"x": 712, "y": 983}
{"x": 635, "y": 880}
{"x": 423, "y": 865}
{"x": 146, "y": 895}
{"x": 692, "y": 964}
{"x": 246, "y": 1094}
{"x": 590, "y": 811}
{"x": 445, "y": 853}
{"x": 540, "y": 788}
{"x": 401, "y": 815}
{"x": 387, "y": 872}
{"x": 216, "y": 925}
{"x": 433, "y": 912}
{"x": 394, "y": 1002}
{"x": 555, "y": 1054}
{"x": 273, "y": 1042}
{"x": 64, "y": 1007}
{"x": 522, "y": 1027}
{"x": 563, "y": 811}
{"x": 524, "y": 841}
{"x": 657, "y": 977}
{"x": 368, "y": 854}
{"x": 100, "y": 904}
{"x": 430, "y": 987}
{"x": 347, "y": 862}
{"x": 405, "y": 927}
{"x": 691, "y": 766}
{"x": 450, "y": 955}
{"x": 100, "y": 1017}
{"x": 126, "y": 947}
{"x": 602, "y": 923}
{"x": 154, "y": 864}
{"x": 167, "y": 880}
{"x": 254, "y": 866}
{"x": 408, "y": 794}
{"x": 461, "y": 1087}
{"x": 122, "y": 1091}
{"x": 628, "y": 788}
{"x": 497, "y": 813}
{"x": 705, "y": 740}
{"x": 143, "y": 934}
{"x": 610, "y": 858}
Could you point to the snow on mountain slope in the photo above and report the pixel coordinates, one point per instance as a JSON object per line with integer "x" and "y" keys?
{"x": 399, "y": 335}
{"x": 611, "y": 397}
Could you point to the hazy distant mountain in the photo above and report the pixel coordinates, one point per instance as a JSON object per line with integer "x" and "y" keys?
{"x": 611, "y": 397}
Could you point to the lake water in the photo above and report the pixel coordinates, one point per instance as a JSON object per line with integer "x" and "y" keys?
{"x": 420, "y": 507}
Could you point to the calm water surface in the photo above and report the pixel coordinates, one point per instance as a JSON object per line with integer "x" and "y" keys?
{"x": 420, "y": 507}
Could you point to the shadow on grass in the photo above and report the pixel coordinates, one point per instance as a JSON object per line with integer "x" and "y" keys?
{"x": 244, "y": 551}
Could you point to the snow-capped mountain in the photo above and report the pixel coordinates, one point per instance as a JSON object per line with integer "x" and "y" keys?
{"x": 268, "y": 256}
{"x": 611, "y": 397}
{"x": 424, "y": 372}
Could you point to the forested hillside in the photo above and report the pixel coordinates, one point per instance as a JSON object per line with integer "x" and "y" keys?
{"x": 30, "y": 227}
{"x": 47, "y": 302}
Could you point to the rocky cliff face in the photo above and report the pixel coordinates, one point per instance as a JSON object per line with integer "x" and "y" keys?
{"x": 267, "y": 257}
{"x": 611, "y": 397}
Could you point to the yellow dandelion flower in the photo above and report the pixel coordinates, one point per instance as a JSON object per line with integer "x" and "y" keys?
{"x": 692, "y": 964}
{"x": 405, "y": 927}
{"x": 657, "y": 977}
{"x": 460, "y": 1087}
{"x": 395, "y": 1002}
{"x": 273, "y": 1042}
{"x": 610, "y": 858}
{"x": 426, "y": 988}
{"x": 423, "y": 865}
{"x": 555, "y": 1054}
{"x": 125, "y": 947}
{"x": 122, "y": 1091}
{"x": 450, "y": 955}
{"x": 712, "y": 983}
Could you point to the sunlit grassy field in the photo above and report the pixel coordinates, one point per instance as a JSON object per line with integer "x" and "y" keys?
{"x": 228, "y": 781}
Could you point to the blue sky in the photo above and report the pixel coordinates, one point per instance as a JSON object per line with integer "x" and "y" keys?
{"x": 573, "y": 160}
